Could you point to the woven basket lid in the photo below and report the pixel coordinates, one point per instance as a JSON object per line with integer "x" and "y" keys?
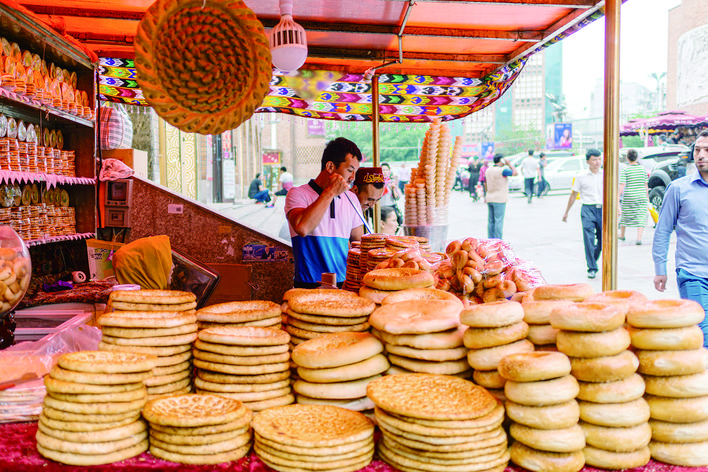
{"x": 203, "y": 65}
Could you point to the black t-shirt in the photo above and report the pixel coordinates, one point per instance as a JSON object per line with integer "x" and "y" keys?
{"x": 253, "y": 188}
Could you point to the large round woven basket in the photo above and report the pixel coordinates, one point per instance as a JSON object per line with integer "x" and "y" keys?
{"x": 203, "y": 65}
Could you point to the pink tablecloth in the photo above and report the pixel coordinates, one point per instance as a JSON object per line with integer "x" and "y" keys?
{"x": 19, "y": 454}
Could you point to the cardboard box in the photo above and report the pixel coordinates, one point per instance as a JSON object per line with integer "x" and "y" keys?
{"x": 133, "y": 158}
{"x": 100, "y": 255}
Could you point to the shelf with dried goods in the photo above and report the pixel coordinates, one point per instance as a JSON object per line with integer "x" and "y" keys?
{"x": 47, "y": 132}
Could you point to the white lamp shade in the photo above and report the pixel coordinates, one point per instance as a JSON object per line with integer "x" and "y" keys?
{"x": 289, "y": 57}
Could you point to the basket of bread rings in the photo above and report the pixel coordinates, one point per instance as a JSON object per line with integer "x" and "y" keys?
{"x": 15, "y": 273}
{"x": 205, "y": 65}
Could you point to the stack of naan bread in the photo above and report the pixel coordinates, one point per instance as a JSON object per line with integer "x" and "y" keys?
{"x": 380, "y": 283}
{"x": 422, "y": 335}
{"x": 368, "y": 242}
{"x": 250, "y": 364}
{"x": 240, "y": 313}
{"x": 314, "y": 313}
{"x": 198, "y": 429}
{"x": 91, "y": 414}
{"x": 336, "y": 368}
{"x": 541, "y": 403}
{"x": 158, "y": 322}
{"x": 674, "y": 365}
{"x": 300, "y": 438}
{"x": 438, "y": 422}
{"x": 495, "y": 330}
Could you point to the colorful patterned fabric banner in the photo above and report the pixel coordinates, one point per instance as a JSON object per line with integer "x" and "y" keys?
{"x": 347, "y": 97}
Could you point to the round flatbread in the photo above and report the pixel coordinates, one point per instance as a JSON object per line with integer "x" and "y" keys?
{"x": 333, "y": 303}
{"x": 219, "y": 377}
{"x": 245, "y": 336}
{"x": 416, "y": 317}
{"x": 63, "y": 386}
{"x": 193, "y": 410}
{"x": 215, "y": 387}
{"x": 93, "y": 459}
{"x": 246, "y": 351}
{"x": 242, "y": 369}
{"x": 327, "y": 328}
{"x": 160, "y": 351}
{"x": 239, "y": 311}
{"x": 241, "y": 360}
{"x": 152, "y": 307}
{"x": 397, "y": 279}
{"x": 334, "y": 390}
{"x": 147, "y": 319}
{"x": 148, "y": 332}
{"x": 162, "y": 297}
{"x": 336, "y": 349}
{"x": 59, "y": 373}
{"x": 107, "y": 362}
{"x": 443, "y": 340}
{"x": 359, "y": 370}
{"x": 200, "y": 459}
{"x": 327, "y": 320}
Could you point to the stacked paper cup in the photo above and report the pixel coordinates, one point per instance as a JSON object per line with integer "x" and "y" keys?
{"x": 614, "y": 414}
{"x": 495, "y": 330}
{"x": 541, "y": 403}
{"x": 673, "y": 362}
{"x": 335, "y": 369}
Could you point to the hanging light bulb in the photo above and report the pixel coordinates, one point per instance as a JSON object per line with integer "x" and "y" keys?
{"x": 288, "y": 43}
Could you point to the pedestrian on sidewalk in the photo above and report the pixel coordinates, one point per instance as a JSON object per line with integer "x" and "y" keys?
{"x": 634, "y": 192}
{"x": 530, "y": 170}
{"x": 496, "y": 184}
{"x": 542, "y": 163}
{"x": 589, "y": 186}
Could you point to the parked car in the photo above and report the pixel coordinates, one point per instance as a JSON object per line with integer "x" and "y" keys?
{"x": 559, "y": 175}
{"x": 664, "y": 173}
{"x": 650, "y": 157}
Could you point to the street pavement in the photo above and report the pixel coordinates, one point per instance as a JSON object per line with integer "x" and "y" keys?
{"x": 535, "y": 232}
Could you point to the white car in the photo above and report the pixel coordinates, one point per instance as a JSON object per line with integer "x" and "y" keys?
{"x": 559, "y": 174}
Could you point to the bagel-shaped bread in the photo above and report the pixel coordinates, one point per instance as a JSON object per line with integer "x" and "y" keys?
{"x": 480, "y": 338}
{"x": 558, "y": 416}
{"x": 542, "y": 461}
{"x": 587, "y": 317}
{"x": 398, "y": 279}
{"x": 336, "y": 349}
{"x": 604, "y": 369}
{"x": 678, "y": 410}
{"x": 625, "y": 390}
{"x": 606, "y": 343}
{"x": 616, "y": 415}
{"x": 492, "y": 315}
{"x": 667, "y": 339}
{"x": 665, "y": 314}
{"x": 625, "y": 298}
{"x": 533, "y": 366}
{"x": 375, "y": 295}
{"x": 572, "y": 292}
{"x": 668, "y": 363}
{"x": 542, "y": 335}
{"x": 538, "y": 312}
{"x": 427, "y": 293}
{"x": 617, "y": 439}
{"x": 666, "y": 431}
{"x": 488, "y": 359}
{"x": 616, "y": 460}
{"x": 359, "y": 370}
{"x": 678, "y": 386}
{"x": 688, "y": 455}
{"x": 416, "y": 317}
{"x": 542, "y": 392}
{"x": 553, "y": 440}
{"x": 339, "y": 303}
{"x": 488, "y": 379}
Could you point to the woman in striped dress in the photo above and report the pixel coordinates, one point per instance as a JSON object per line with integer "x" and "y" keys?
{"x": 635, "y": 197}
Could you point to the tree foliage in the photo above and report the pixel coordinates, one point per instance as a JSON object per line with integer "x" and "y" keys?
{"x": 514, "y": 139}
{"x": 398, "y": 141}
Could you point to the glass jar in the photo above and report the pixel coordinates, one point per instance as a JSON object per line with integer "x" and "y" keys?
{"x": 15, "y": 273}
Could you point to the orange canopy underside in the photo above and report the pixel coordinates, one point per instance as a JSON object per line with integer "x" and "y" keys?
{"x": 454, "y": 38}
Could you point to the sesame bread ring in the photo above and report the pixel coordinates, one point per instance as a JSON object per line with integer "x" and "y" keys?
{"x": 330, "y": 303}
{"x": 572, "y": 292}
{"x": 588, "y": 317}
{"x": 678, "y": 386}
{"x": 678, "y": 410}
{"x": 625, "y": 298}
{"x": 666, "y": 431}
{"x": 606, "y": 343}
{"x": 665, "y": 314}
{"x": 539, "y": 311}
{"x": 626, "y": 439}
{"x": 533, "y": 366}
{"x": 552, "y": 440}
{"x": 667, "y": 339}
{"x": 542, "y": 392}
{"x": 492, "y": 315}
{"x": 426, "y": 293}
{"x": 616, "y": 460}
{"x": 416, "y": 317}
{"x": 542, "y": 461}
{"x": 693, "y": 454}
{"x": 488, "y": 379}
{"x": 558, "y": 416}
{"x": 489, "y": 358}
{"x": 542, "y": 335}
{"x": 616, "y": 415}
{"x": 336, "y": 349}
{"x": 397, "y": 279}
{"x": 480, "y": 338}
{"x": 604, "y": 369}
{"x": 625, "y": 390}
{"x": 673, "y": 362}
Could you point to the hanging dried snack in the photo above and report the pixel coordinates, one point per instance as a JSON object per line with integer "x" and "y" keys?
{"x": 203, "y": 65}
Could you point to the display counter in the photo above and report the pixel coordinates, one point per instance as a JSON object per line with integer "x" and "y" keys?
{"x": 19, "y": 453}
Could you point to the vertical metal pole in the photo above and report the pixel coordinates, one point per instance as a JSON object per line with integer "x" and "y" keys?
{"x": 611, "y": 149}
{"x": 375, "y": 138}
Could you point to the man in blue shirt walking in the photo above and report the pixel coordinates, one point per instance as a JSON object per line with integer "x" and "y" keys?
{"x": 685, "y": 208}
